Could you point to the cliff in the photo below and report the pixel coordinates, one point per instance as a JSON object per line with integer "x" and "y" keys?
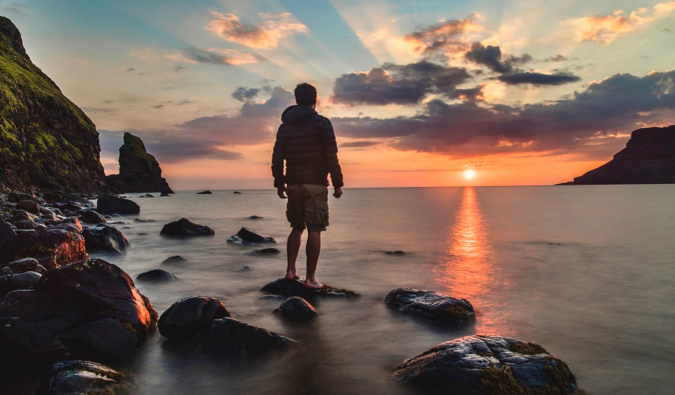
{"x": 649, "y": 158}
{"x": 139, "y": 171}
{"x": 46, "y": 141}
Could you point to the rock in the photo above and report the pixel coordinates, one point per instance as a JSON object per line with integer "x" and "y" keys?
{"x": 156, "y": 275}
{"x": 147, "y": 195}
{"x": 264, "y": 251}
{"x": 83, "y": 307}
{"x": 70, "y": 224}
{"x": 398, "y": 252}
{"x": 16, "y": 197}
{"x": 53, "y": 197}
{"x": 297, "y": 309}
{"x": 52, "y": 248}
{"x": 228, "y": 337}
{"x": 190, "y": 317}
{"x": 237, "y": 193}
{"x": 25, "y": 265}
{"x": 255, "y": 217}
{"x": 109, "y": 204}
{"x": 82, "y": 377}
{"x": 486, "y": 365}
{"x": 204, "y": 193}
{"x": 29, "y": 205}
{"x": 649, "y": 158}
{"x": 25, "y": 224}
{"x": 26, "y": 279}
{"x": 106, "y": 238}
{"x": 92, "y": 217}
{"x": 247, "y": 236}
{"x": 176, "y": 260}
{"x": 139, "y": 171}
{"x": 164, "y": 193}
{"x": 6, "y": 232}
{"x": 184, "y": 228}
{"x": 244, "y": 268}
{"x": 290, "y": 288}
{"x": 432, "y": 306}
{"x": 143, "y": 220}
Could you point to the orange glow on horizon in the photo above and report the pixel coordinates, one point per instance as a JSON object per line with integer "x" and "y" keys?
{"x": 469, "y": 174}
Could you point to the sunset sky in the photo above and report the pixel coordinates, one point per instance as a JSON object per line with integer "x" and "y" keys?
{"x": 522, "y": 92}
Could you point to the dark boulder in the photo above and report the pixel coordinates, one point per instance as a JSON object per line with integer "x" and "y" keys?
{"x": 92, "y": 217}
{"x": 190, "y": 317}
{"x": 247, "y": 236}
{"x": 204, "y": 193}
{"x": 164, "y": 193}
{"x": 156, "y": 276}
{"x": 486, "y": 365}
{"x": 29, "y": 205}
{"x": 175, "y": 261}
{"x": 52, "y": 248}
{"x": 25, "y": 279}
{"x": 82, "y": 377}
{"x": 297, "y": 309}
{"x": 264, "y": 251}
{"x": 25, "y": 265}
{"x": 255, "y": 217}
{"x": 185, "y": 228}
{"x": 105, "y": 238}
{"x": 16, "y": 197}
{"x": 290, "y": 288}
{"x": 228, "y": 337}
{"x": 87, "y": 307}
{"x": 397, "y": 252}
{"x": 109, "y": 204}
{"x": 432, "y": 306}
{"x": 6, "y": 232}
{"x": 70, "y": 224}
{"x": 53, "y": 197}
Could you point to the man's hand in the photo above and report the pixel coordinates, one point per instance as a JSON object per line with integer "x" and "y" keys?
{"x": 338, "y": 192}
{"x": 281, "y": 191}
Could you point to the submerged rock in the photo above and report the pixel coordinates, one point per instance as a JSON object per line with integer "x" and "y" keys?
{"x": 190, "y": 317}
{"x": 82, "y": 377}
{"x": 204, "y": 193}
{"x": 264, "y": 251}
{"x": 297, "y": 309}
{"x": 290, "y": 288}
{"x": 232, "y": 338}
{"x": 176, "y": 260}
{"x": 52, "y": 248}
{"x": 432, "y": 306}
{"x": 109, "y": 204}
{"x": 397, "y": 252}
{"x": 486, "y": 365}
{"x": 185, "y": 228}
{"x": 106, "y": 238}
{"x": 156, "y": 275}
{"x": 247, "y": 236}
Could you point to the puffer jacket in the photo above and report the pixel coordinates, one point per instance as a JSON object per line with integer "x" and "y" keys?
{"x": 306, "y": 141}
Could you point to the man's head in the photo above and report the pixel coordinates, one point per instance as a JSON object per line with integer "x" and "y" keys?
{"x": 305, "y": 94}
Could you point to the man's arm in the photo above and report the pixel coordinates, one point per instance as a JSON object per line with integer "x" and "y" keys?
{"x": 330, "y": 150}
{"x": 278, "y": 165}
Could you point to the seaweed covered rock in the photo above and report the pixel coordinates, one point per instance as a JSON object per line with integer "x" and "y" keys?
{"x": 106, "y": 238}
{"x": 228, "y": 337}
{"x": 52, "y": 248}
{"x": 297, "y": 309}
{"x": 156, "y": 276}
{"x": 190, "y": 317}
{"x": 109, "y": 204}
{"x": 435, "y": 307}
{"x": 89, "y": 307}
{"x": 247, "y": 236}
{"x": 82, "y": 377}
{"x": 486, "y": 365}
{"x": 185, "y": 228}
{"x": 290, "y": 288}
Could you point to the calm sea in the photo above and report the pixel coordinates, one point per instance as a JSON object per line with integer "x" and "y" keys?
{"x": 586, "y": 271}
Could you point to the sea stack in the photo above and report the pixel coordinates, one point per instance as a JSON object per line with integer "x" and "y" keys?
{"x": 139, "y": 171}
{"x": 46, "y": 141}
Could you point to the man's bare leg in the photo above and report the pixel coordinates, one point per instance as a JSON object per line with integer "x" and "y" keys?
{"x": 313, "y": 251}
{"x": 292, "y": 249}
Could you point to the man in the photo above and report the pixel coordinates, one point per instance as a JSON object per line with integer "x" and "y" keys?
{"x": 306, "y": 142}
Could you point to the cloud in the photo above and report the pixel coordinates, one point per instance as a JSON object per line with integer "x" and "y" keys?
{"x": 445, "y": 36}
{"x": 217, "y": 56}
{"x": 557, "y": 58}
{"x": 538, "y": 79}
{"x": 606, "y": 28}
{"x": 398, "y": 84}
{"x": 267, "y": 35}
{"x": 620, "y": 103}
{"x": 359, "y": 144}
{"x": 242, "y": 94}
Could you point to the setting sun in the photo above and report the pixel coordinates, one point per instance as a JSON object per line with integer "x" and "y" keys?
{"x": 469, "y": 174}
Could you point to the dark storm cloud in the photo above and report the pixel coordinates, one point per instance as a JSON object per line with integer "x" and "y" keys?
{"x": 620, "y": 103}
{"x": 242, "y": 94}
{"x": 538, "y": 79}
{"x": 398, "y": 84}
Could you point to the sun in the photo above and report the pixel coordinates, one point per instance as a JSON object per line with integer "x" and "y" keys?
{"x": 469, "y": 174}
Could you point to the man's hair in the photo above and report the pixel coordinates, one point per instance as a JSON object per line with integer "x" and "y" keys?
{"x": 305, "y": 94}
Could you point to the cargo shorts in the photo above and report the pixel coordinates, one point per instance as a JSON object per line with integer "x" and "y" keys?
{"x": 307, "y": 207}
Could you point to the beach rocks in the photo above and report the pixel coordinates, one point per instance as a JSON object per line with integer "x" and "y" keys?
{"x": 70, "y": 224}
{"x": 247, "y": 236}
{"x": 232, "y": 338}
{"x": 6, "y": 232}
{"x": 82, "y": 377}
{"x": 83, "y": 307}
{"x": 264, "y": 251}
{"x": 432, "y": 306}
{"x": 26, "y": 264}
{"x": 106, "y": 238}
{"x": 109, "y": 204}
{"x": 175, "y": 261}
{"x": 52, "y": 248}
{"x": 297, "y": 309}
{"x": 185, "y": 228}
{"x": 290, "y": 288}
{"x": 204, "y": 193}
{"x": 156, "y": 276}
{"x": 164, "y": 194}
{"x": 486, "y": 365}
{"x": 92, "y": 217}
{"x": 29, "y": 205}
{"x": 190, "y": 317}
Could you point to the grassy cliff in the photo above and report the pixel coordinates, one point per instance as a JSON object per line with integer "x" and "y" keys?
{"x": 46, "y": 141}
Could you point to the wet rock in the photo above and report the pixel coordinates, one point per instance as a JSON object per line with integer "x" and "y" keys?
{"x": 297, "y": 309}
{"x": 228, "y": 337}
{"x": 106, "y": 238}
{"x": 143, "y": 220}
{"x": 147, "y": 195}
{"x": 237, "y": 193}
{"x": 82, "y": 377}
{"x": 247, "y": 236}
{"x": 25, "y": 265}
{"x": 92, "y": 217}
{"x": 264, "y": 251}
{"x": 109, "y": 204}
{"x": 6, "y": 232}
{"x": 26, "y": 279}
{"x": 290, "y": 288}
{"x": 156, "y": 276}
{"x": 204, "y": 193}
{"x": 486, "y": 365}
{"x": 185, "y": 228}
{"x": 397, "y": 252}
{"x": 52, "y": 197}
{"x": 176, "y": 261}
{"x": 70, "y": 224}
{"x": 190, "y": 317}
{"x": 83, "y": 307}
{"x": 255, "y": 217}
{"x": 16, "y": 197}
{"x": 164, "y": 194}
{"x": 29, "y": 205}
{"x": 435, "y": 307}
{"x": 25, "y": 224}
{"x": 244, "y": 268}
{"x": 52, "y": 248}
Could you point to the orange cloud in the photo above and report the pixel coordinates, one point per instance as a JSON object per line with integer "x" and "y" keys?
{"x": 267, "y": 35}
{"x": 444, "y": 36}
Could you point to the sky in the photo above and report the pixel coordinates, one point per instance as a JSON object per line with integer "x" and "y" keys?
{"x": 418, "y": 92}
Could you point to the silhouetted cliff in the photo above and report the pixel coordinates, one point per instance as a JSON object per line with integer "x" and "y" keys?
{"x": 139, "y": 171}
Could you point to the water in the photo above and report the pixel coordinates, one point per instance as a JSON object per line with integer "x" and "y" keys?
{"x": 585, "y": 271}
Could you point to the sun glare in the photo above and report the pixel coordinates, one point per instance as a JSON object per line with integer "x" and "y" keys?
{"x": 469, "y": 174}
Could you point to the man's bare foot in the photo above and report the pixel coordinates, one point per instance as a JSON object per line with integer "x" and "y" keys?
{"x": 313, "y": 284}
{"x": 292, "y": 276}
